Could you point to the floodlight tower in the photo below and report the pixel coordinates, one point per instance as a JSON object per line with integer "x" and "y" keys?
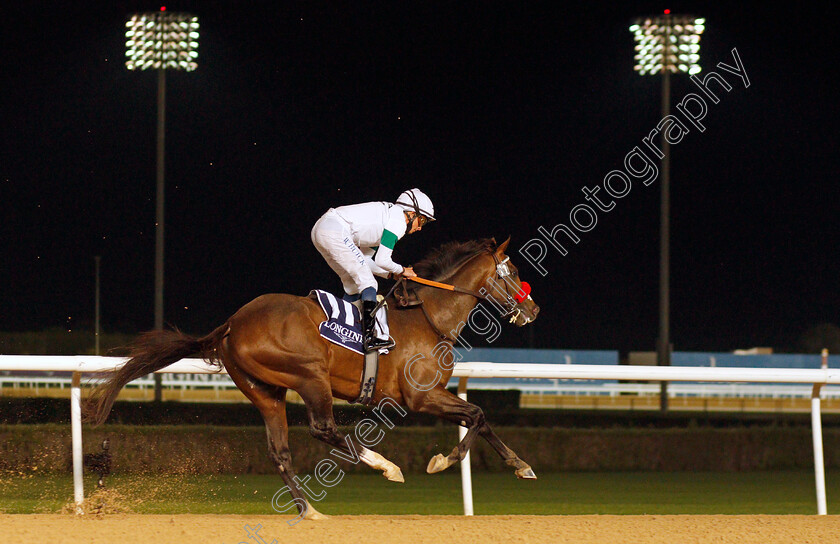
{"x": 666, "y": 44}
{"x": 161, "y": 41}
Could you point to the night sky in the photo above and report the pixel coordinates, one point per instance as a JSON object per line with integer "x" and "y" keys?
{"x": 501, "y": 111}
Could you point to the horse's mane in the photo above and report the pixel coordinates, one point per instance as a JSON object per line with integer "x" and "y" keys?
{"x": 443, "y": 261}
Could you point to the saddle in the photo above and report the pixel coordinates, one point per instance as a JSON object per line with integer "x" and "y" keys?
{"x": 343, "y": 327}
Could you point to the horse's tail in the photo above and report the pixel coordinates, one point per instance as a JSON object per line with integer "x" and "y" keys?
{"x": 152, "y": 351}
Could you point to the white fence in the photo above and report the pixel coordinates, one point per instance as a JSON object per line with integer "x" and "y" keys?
{"x": 222, "y": 382}
{"x": 816, "y": 378}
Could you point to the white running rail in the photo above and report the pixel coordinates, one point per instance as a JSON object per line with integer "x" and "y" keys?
{"x": 79, "y": 364}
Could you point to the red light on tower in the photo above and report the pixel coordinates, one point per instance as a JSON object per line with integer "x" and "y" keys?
{"x": 667, "y": 11}
{"x": 163, "y": 8}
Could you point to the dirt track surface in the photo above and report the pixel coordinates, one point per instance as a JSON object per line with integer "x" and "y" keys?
{"x": 221, "y": 529}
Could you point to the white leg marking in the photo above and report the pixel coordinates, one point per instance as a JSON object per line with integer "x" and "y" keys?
{"x": 374, "y": 460}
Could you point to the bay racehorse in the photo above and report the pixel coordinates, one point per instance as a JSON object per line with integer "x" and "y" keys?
{"x": 272, "y": 344}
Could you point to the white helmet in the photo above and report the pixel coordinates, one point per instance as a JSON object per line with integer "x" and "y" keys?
{"x": 415, "y": 200}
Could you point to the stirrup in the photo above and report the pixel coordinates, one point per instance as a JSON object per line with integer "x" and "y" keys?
{"x": 376, "y": 343}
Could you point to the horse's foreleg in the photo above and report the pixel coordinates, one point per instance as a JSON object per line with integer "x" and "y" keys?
{"x": 523, "y": 470}
{"x": 440, "y": 463}
{"x": 448, "y": 406}
{"x": 445, "y": 405}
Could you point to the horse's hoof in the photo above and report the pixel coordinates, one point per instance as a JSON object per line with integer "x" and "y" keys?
{"x": 437, "y": 464}
{"x": 313, "y": 514}
{"x": 394, "y": 475}
{"x": 526, "y": 474}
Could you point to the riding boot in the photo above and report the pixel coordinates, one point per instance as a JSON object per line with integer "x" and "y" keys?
{"x": 371, "y": 342}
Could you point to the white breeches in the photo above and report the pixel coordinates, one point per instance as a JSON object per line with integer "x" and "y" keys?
{"x": 331, "y": 237}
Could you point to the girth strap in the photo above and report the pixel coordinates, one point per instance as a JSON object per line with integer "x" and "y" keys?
{"x": 369, "y": 372}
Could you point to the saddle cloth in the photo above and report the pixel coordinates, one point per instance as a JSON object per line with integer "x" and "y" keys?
{"x": 343, "y": 325}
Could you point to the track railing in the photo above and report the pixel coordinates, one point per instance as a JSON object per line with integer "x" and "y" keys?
{"x": 464, "y": 371}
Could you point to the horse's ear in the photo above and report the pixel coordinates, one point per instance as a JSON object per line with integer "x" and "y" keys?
{"x": 503, "y": 247}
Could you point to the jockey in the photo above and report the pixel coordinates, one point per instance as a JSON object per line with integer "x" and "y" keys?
{"x": 357, "y": 242}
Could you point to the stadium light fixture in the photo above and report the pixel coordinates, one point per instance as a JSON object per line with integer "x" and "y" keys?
{"x": 666, "y": 44}
{"x": 161, "y": 41}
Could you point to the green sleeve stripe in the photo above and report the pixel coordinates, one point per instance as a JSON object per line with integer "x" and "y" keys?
{"x": 389, "y": 239}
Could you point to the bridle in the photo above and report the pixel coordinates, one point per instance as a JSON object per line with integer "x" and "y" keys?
{"x": 513, "y": 300}
{"x": 508, "y": 310}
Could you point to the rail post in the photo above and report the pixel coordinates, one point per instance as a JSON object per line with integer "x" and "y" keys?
{"x": 816, "y": 433}
{"x": 466, "y": 473}
{"x": 76, "y": 432}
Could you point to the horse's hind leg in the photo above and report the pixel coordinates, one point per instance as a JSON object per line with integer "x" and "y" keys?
{"x": 271, "y": 402}
{"x": 318, "y": 399}
{"x": 446, "y": 405}
{"x": 277, "y": 431}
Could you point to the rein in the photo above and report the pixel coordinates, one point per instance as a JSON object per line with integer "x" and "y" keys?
{"x": 501, "y": 270}
{"x": 437, "y": 285}
{"x": 447, "y": 287}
